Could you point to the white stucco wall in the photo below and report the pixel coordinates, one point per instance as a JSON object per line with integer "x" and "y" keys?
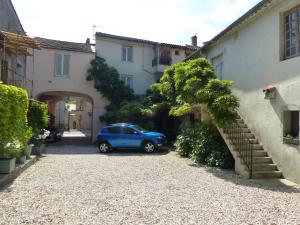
{"x": 141, "y": 68}
{"x": 253, "y": 58}
{"x": 44, "y": 80}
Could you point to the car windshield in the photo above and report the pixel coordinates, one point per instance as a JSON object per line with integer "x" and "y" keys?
{"x": 138, "y": 128}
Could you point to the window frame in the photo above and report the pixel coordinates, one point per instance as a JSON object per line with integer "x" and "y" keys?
{"x": 126, "y": 76}
{"x": 289, "y": 13}
{"x": 126, "y": 59}
{"x": 62, "y": 63}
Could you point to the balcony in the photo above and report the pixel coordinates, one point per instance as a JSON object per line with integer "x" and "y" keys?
{"x": 161, "y": 64}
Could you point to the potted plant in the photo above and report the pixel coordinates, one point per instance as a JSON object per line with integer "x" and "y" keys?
{"x": 39, "y": 142}
{"x": 9, "y": 151}
{"x": 289, "y": 139}
{"x": 21, "y": 159}
{"x": 28, "y": 150}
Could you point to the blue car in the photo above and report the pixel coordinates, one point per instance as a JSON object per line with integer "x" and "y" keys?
{"x": 128, "y": 136}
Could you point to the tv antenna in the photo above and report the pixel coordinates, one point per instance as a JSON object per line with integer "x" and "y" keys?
{"x": 94, "y": 30}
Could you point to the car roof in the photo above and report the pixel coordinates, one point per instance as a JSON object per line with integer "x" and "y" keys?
{"x": 121, "y": 124}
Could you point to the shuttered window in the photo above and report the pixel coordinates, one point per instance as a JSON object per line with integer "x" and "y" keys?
{"x": 127, "y": 54}
{"x": 62, "y": 64}
{"x": 292, "y": 33}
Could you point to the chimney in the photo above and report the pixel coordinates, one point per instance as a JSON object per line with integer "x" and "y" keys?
{"x": 88, "y": 41}
{"x": 195, "y": 40}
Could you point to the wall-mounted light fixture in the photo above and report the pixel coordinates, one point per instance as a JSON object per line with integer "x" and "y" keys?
{"x": 270, "y": 92}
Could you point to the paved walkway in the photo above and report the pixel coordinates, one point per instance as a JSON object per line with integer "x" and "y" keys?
{"x": 76, "y": 185}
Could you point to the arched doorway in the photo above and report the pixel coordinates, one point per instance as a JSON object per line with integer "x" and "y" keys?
{"x": 72, "y": 114}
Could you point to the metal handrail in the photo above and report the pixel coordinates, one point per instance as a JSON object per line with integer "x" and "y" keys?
{"x": 243, "y": 144}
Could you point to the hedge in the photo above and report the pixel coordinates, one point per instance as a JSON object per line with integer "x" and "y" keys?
{"x": 15, "y": 132}
{"x": 38, "y": 116}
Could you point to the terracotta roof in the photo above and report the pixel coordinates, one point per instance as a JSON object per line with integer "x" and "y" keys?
{"x": 137, "y": 40}
{"x": 64, "y": 45}
{"x": 258, "y": 7}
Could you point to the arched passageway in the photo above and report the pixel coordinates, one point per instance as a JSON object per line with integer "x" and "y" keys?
{"x": 72, "y": 114}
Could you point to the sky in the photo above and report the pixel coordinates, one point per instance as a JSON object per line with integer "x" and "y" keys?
{"x": 169, "y": 21}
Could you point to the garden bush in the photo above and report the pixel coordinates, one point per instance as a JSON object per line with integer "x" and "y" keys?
{"x": 38, "y": 117}
{"x": 202, "y": 143}
{"x": 15, "y": 132}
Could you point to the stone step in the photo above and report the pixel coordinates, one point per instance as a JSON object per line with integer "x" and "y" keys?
{"x": 246, "y": 130}
{"x": 240, "y": 120}
{"x": 267, "y": 160}
{"x": 260, "y": 153}
{"x": 257, "y": 147}
{"x": 246, "y": 135}
{"x": 264, "y": 167}
{"x": 242, "y": 125}
{"x": 267, "y": 174}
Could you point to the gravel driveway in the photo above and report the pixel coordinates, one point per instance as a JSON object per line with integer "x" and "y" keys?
{"x": 76, "y": 185}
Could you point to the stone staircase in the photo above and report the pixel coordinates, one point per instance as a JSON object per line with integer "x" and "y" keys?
{"x": 251, "y": 160}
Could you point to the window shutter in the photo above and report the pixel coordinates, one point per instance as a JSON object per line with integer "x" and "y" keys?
{"x": 123, "y": 54}
{"x": 130, "y": 54}
{"x": 66, "y": 66}
{"x": 58, "y": 58}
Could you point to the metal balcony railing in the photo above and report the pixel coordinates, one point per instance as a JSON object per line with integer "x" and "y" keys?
{"x": 243, "y": 144}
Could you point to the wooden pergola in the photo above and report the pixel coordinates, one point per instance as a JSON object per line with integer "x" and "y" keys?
{"x": 17, "y": 43}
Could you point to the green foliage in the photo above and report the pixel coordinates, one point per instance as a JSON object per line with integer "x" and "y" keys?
{"x": 220, "y": 101}
{"x": 181, "y": 81}
{"x": 38, "y": 117}
{"x": 203, "y": 144}
{"x": 14, "y": 132}
{"x": 107, "y": 81}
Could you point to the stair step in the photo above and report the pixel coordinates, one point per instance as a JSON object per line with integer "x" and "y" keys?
{"x": 245, "y": 135}
{"x": 264, "y": 167}
{"x": 267, "y": 160}
{"x": 240, "y": 120}
{"x": 253, "y": 141}
{"x": 267, "y": 174}
{"x": 246, "y": 130}
{"x": 257, "y": 147}
{"x": 242, "y": 125}
{"x": 260, "y": 153}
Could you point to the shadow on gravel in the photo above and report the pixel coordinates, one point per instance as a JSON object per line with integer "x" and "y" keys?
{"x": 136, "y": 152}
{"x": 276, "y": 185}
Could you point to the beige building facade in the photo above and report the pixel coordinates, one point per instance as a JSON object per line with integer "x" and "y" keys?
{"x": 260, "y": 53}
{"x": 60, "y": 71}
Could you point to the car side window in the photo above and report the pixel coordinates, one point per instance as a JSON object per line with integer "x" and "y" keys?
{"x": 113, "y": 130}
{"x": 128, "y": 130}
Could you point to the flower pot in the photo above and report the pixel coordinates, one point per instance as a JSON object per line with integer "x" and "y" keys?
{"x": 7, "y": 165}
{"x": 38, "y": 150}
{"x": 28, "y": 151}
{"x": 22, "y": 159}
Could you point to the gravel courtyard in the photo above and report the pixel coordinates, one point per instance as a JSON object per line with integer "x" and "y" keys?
{"x": 76, "y": 185}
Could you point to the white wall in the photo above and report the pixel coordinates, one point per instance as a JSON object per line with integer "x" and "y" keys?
{"x": 141, "y": 68}
{"x": 252, "y": 57}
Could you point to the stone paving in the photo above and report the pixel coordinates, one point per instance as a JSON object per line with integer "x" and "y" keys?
{"x": 74, "y": 184}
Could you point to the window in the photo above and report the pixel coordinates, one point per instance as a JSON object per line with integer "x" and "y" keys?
{"x": 128, "y": 130}
{"x": 127, "y": 54}
{"x": 218, "y": 64}
{"x": 291, "y": 124}
{"x": 127, "y": 79}
{"x": 62, "y": 62}
{"x": 176, "y": 52}
{"x": 165, "y": 57}
{"x": 292, "y": 33}
{"x": 114, "y": 130}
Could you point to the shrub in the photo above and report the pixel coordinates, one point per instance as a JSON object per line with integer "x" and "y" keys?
{"x": 38, "y": 116}
{"x": 14, "y": 132}
{"x": 202, "y": 143}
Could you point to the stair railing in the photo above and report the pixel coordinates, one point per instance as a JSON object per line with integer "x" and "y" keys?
{"x": 243, "y": 144}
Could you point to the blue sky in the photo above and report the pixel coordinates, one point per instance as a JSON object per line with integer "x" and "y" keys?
{"x": 171, "y": 21}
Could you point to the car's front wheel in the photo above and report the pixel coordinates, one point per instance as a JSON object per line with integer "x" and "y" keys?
{"x": 149, "y": 147}
{"x": 104, "y": 147}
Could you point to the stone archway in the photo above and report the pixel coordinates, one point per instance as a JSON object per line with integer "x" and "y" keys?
{"x": 71, "y": 111}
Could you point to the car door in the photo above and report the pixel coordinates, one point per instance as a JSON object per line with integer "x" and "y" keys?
{"x": 132, "y": 138}
{"x": 114, "y": 136}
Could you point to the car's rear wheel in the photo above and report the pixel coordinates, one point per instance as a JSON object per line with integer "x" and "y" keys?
{"x": 104, "y": 147}
{"x": 149, "y": 147}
